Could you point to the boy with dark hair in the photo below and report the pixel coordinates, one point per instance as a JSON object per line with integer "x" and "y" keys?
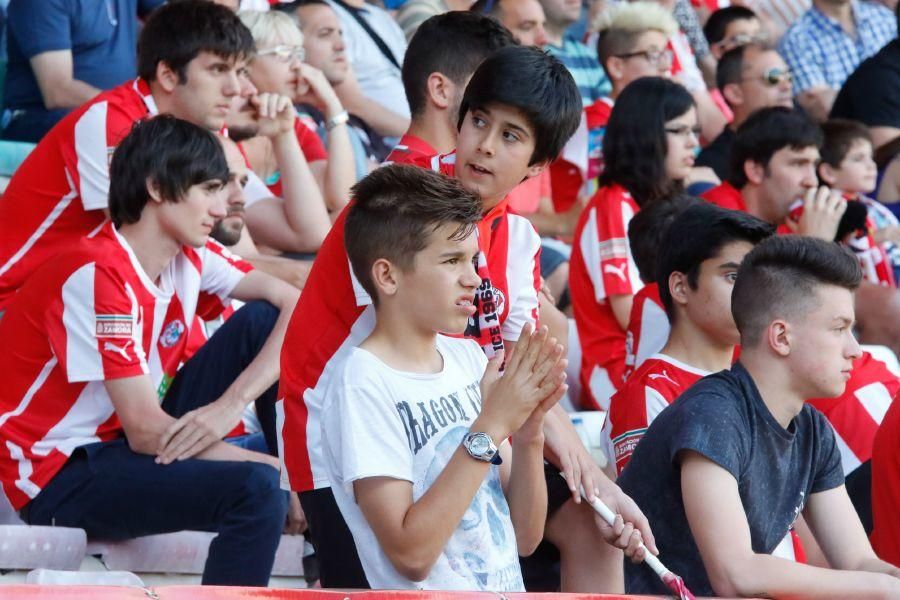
{"x": 95, "y": 405}
{"x": 192, "y": 59}
{"x": 416, "y": 485}
{"x": 704, "y": 248}
{"x": 648, "y": 326}
{"x": 726, "y": 469}
{"x": 730, "y": 27}
{"x": 516, "y": 113}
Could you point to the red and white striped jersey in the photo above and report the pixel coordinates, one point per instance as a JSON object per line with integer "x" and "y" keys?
{"x": 57, "y": 194}
{"x": 602, "y": 266}
{"x": 654, "y": 386}
{"x": 648, "y": 328}
{"x": 92, "y": 315}
{"x": 334, "y": 315}
{"x": 856, "y": 414}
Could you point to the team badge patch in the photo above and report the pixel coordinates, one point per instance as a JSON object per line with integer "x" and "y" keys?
{"x": 114, "y": 326}
{"x": 171, "y": 334}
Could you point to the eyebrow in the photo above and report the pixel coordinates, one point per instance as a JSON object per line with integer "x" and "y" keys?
{"x": 518, "y": 128}
{"x": 730, "y": 265}
{"x": 845, "y": 320}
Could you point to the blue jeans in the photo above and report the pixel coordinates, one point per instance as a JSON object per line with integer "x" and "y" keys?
{"x": 114, "y": 493}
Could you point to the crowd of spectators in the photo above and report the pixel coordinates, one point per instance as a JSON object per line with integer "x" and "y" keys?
{"x": 244, "y": 262}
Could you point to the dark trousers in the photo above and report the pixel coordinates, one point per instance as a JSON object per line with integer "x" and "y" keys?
{"x": 114, "y": 493}
{"x": 339, "y": 565}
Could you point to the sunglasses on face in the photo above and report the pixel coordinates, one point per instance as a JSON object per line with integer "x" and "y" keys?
{"x": 774, "y": 76}
{"x": 284, "y": 53}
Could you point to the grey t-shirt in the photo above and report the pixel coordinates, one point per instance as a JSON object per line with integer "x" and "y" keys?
{"x": 724, "y": 418}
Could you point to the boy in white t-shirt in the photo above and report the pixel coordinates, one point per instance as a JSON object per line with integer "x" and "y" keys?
{"x": 408, "y": 441}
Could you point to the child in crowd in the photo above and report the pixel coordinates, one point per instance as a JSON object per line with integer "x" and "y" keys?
{"x": 848, "y": 165}
{"x": 649, "y": 147}
{"x": 648, "y": 325}
{"x": 410, "y": 436}
{"x": 724, "y": 471}
{"x": 517, "y": 111}
{"x": 704, "y": 247}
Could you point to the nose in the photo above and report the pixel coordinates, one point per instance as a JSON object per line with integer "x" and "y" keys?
{"x": 338, "y": 45}
{"x": 540, "y": 37}
{"x": 810, "y": 179}
{"x": 853, "y": 349}
{"x": 471, "y": 280}
{"x": 236, "y": 199}
{"x": 486, "y": 143}
{"x": 218, "y": 208}
{"x": 244, "y": 86}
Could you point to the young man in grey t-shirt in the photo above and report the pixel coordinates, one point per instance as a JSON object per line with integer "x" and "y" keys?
{"x": 725, "y": 470}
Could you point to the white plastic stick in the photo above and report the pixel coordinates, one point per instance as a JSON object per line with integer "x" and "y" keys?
{"x": 603, "y": 510}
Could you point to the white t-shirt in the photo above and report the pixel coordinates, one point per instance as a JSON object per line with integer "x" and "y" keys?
{"x": 380, "y": 422}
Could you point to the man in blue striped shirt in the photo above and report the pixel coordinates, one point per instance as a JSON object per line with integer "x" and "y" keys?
{"x": 578, "y": 58}
{"x": 826, "y": 44}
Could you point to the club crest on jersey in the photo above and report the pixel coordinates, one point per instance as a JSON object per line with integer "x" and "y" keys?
{"x": 171, "y": 334}
{"x": 114, "y": 326}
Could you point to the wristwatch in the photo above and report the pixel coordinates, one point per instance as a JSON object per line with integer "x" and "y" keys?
{"x": 480, "y": 446}
{"x": 338, "y": 119}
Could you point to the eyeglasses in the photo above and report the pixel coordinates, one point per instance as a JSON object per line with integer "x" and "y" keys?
{"x": 284, "y": 53}
{"x": 684, "y": 131}
{"x": 742, "y": 39}
{"x": 654, "y": 57}
{"x": 774, "y": 76}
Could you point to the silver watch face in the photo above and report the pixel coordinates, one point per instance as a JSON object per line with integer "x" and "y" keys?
{"x": 480, "y": 445}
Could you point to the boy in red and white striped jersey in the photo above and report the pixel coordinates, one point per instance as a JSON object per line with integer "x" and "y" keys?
{"x": 105, "y": 430}
{"x": 704, "y": 247}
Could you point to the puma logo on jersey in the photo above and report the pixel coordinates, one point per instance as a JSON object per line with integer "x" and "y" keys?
{"x": 617, "y": 271}
{"x": 662, "y": 375}
{"x": 120, "y": 350}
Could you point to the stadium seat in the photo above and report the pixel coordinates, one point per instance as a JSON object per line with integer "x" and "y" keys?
{"x": 25, "y": 547}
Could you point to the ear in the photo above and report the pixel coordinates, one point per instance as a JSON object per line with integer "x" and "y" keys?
{"x": 826, "y": 173}
{"x": 678, "y": 288}
{"x": 778, "y": 337}
{"x": 384, "y": 276}
{"x": 615, "y": 68}
{"x": 153, "y": 191}
{"x": 754, "y": 172}
{"x": 440, "y": 90}
{"x": 166, "y": 77}
{"x": 733, "y": 94}
{"x": 535, "y": 169}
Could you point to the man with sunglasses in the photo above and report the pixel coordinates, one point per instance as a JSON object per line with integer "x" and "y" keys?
{"x": 750, "y": 77}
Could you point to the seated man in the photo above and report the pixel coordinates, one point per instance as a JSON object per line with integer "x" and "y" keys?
{"x": 59, "y": 58}
{"x": 826, "y": 44}
{"x": 750, "y": 77}
{"x": 726, "y": 470}
{"x": 704, "y": 247}
{"x": 430, "y": 502}
{"x": 101, "y": 332}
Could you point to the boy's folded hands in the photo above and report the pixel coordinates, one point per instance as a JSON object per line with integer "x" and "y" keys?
{"x": 532, "y": 382}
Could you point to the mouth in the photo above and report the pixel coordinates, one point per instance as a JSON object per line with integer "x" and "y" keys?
{"x": 466, "y": 305}
{"x": 479, "y": 170}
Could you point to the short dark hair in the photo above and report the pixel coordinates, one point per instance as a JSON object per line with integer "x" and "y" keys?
{"x": 537, "y": 85}
{"x": 838, "y": 135}
{"x": 730, "y": 68}
{"x": 172, "y": 154}
{"x": 698, "y": 234}
{"x": 177, "y": 32}
{"x": 290, "y": 7}
{"x": 454, "y": 44}
{"x": 778, "y": 277}
{"x": 718, "y": 22}
{"x": 394, "y": 211}
{"x": 647, "y": 228}
{"x": 634, "y": 144}
{"x": 764, "y": 133}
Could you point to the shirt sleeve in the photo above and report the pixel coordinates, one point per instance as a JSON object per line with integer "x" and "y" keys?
{"x": 803, "y": 61}
{"x": 40, "y": 26}
{"x": 222, "y": 271}
{"x": 96, "y": 336}
{"x": 615, "y": 251}
{"x": 720, "y": 435}
{"x": 362, "y": 431}
{"x": 524, "y": 277}
{"x": 829, "y": 472}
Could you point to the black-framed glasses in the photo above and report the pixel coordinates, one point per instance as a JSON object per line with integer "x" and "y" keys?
{"x": 284, "y": 53}
{"x": 684, "y": 131}
{"x": 774, "y": 76}
{"x": 654, "y": 57}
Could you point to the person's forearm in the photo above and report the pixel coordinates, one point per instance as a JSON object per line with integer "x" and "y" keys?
{"x": 226, "y": 451}
{"x": 552, "y": 225}
{"x": 304, "y": 207}
{"x": 817, "y": 101}
{"x": 340, "y": 168}
{"x": 527, "y": 493}
{"x": 294, "y": 272}
{"x": 876, "y": 565}
{"x": 265, "y": 368}
{"x": 68, "y": 94}
{"x": 762, "y": 575}
{"x": 383, "y": 120}
{"x": 711, "y": 119}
